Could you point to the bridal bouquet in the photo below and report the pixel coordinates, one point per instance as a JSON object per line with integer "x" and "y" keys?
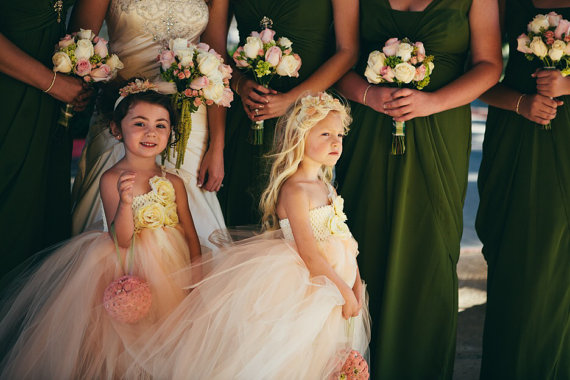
{"x": 548, "y": 39}
{"x": 86, "y": 56}
{"x": 265, "y": 58}
{"x": 200, "y": 77}
{"x": 405, "y": 64}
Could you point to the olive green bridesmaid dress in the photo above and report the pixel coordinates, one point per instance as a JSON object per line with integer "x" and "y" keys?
{"x": 308, "y": 24}
{"x": 523, "y": 222}
{"x": 35, "y": 153}
{"x": 406, "y": 211}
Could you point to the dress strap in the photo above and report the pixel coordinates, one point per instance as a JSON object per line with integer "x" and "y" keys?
{"x": 331, "y": 191}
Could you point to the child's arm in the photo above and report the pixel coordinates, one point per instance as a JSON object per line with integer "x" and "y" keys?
{"x": 185, "y": 217}
{"x": 117, "y": 196}
{"x": 296, "y": 204}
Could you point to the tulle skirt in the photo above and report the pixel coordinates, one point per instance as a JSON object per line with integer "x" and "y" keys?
{"x": 258, "y": 315}
{"x": 54, "y": 322}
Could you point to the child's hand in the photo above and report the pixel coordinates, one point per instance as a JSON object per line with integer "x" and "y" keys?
{"x": 125, "y": 187}
{"x": 351, "y": 307}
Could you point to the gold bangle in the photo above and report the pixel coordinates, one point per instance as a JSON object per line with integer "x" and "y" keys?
{"x": 237, "y": 85}
{"x": 364, "y": 95}
{"x": 52, "y": 82}
{"x": 519, "y": 103}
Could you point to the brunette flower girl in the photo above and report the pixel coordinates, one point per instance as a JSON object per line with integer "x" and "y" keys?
{"x": 288, "y": 304}
{"x": 56, "y": 324}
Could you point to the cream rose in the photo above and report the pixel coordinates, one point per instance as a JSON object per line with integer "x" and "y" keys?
{"x": 404, "y": 72}
{"x": 84, "y": 49}
{"x": 207, "y": 63}
{"x": 114, "y": 62}
{"x": 285, "y": 42}
{"x": 214, "y": 91}
{"x": 538, "y": 47}
{"x": 185, "y": 56}
{"x": 538, "y": 22}
{"x": 149, "y": 216}
{"x": 557, "y": 50}
{"x": 376, "y": 60}
{"x": 288, "y": 66}
{"x": 372, "y": 76}
{"x": 252, "y": 47}
{"x": 170, "y": 215}
{"x": 61, "y": 63}
{"x": 338, "y": 227}
{"x": 338, "y": 206}
{"x": 163, "y": 189}
{"x": 405, "y": 51}
{"x": 85, "y": 34}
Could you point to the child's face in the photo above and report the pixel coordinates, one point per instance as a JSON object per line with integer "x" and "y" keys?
{"x": 146, "y": 129}
{"x": 324, "y": 141}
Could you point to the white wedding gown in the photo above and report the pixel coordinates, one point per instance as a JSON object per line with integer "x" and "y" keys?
{"x": 138, "y": 29}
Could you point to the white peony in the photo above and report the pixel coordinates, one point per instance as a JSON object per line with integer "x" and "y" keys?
{"x": 252, "y": 47}
{"x": 538, "y": 47}
{"x": 405, "y": 51}
{"x": 404, "y": 72}
{"x": 84, "y": 49}
{"x": 538, "y": 22}
{"x": 61, "y": 63}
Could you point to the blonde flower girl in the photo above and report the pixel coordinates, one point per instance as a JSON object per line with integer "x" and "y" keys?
{"x": 288, "y": 304}
{"x": 55, "y": 324}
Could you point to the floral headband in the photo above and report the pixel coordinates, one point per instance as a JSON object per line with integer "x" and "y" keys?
{"x": 135, "y": 87}
{"x": 323, "y": 101}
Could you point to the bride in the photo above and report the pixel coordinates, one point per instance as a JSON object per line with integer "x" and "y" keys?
{"x": 138, "y": 29}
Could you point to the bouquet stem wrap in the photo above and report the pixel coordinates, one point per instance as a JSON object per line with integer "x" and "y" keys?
{"x": 398, "y": 138}
{"x": 65, "y": 115}
{"x": 186, "y": 108}
{"x": 255, "y": 136}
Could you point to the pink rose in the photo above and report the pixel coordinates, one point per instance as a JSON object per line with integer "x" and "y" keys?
{"x": 266, "y": 35}
{"x": 226, "y": 71}
{"x": 421, "y": 57}
{"x": 100, "y": 48}
{"x": 166, "y": 59}
{"x": 562, "y": 28}
{"x": 522, "y": 44}
{"x": 413, "y": 60}
{"x": 420, "y": 73}
{"x": 238, "y": 58}
{"x": 199, "y": 83}
{"x": 273, "y": 55}
{"x": 387, "y": 73}
{"x": 102, "y": 73}
{"x": 391, "y": 46}
{"x": 66, "y": 41}
{"x": 420, "y": 47}
{"x": 227, "y": 97}
{"x": 181, "y": 75}
{"x": 188, "y": 92}
{"x": 299, "y": 62}
{"x": 215, "y": 54}
{"x": 83, "y": 67}
{"x": 254, "y": 34}
{"x": 203, "y": 46}
{"x": 554, "y": 18}
{"x": 197, "y": 102}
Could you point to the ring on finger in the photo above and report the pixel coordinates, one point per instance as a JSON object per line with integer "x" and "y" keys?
{"x": 256, "y": 112}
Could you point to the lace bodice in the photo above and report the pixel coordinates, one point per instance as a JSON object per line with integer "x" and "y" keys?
{"x": 326, "y": 221}
{"x": 138, "y": 29}
{"x": 157, "y": 208}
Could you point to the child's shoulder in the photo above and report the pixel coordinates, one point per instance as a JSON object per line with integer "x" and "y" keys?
{"x": 110, "y": 175}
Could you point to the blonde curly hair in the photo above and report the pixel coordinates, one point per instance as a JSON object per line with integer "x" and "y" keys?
{"x": 289, "y": 146}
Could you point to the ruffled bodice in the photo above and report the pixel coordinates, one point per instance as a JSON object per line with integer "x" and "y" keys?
{"x": 157, "y": 208}
{"x": 138, "y": 29}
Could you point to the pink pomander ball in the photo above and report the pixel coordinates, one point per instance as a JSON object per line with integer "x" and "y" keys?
{"x": 354, "y": 368}
{"x": 127, "y": 299}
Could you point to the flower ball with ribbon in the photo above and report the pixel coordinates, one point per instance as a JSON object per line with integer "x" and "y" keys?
{"x": 200, "y": 77}
{"x": 405, "y": 64}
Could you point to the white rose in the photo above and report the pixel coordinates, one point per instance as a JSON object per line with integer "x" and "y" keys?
{"x": 285, "y": 42}
{"x": 252, "y": 47}
{"x": 114, "y": 62}
{"x": 84, "y": 49}
{"x": 557, "y": 50}
{"x": 376, "y": 61}
{"x": 177, "y": 44}
{"x": 538, "y": 47}
{"x": 185, "y": 56}
{"x": 338, "y": 227}
{"x": 85, "y": 34}
{"x": 372, "y": 76}
{"x": 214, "y": 91}
{"x": 405, "y": 51}
{"x": 216, "y": 76}
{"x": 287, "y": 66}
{"x": 207, "y": 63}
{"x": 538, "y": 22}
{"x": 61, "y": 63}
{"x": 404, "y": 72}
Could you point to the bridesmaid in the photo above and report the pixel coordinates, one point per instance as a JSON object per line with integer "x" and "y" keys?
{"x": 524, "y": 212}
{"x": 406, "y": 211}
{"x": 35, "y": 152}
{"x": 325, "y": 34}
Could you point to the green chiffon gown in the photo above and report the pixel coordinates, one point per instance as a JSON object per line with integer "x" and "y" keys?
{"x": 523, "y": 222}
{"x": 406, "y": 211}
{"x": 35, "y": 153}
{"x": 308, "y": 24}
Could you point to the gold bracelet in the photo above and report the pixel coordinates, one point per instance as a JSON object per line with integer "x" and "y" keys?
{"x": 364, "y": 95}
{"x": 52, "y": 82}
{"x": 519, "y": 103}
{"x": 237, "y": 85}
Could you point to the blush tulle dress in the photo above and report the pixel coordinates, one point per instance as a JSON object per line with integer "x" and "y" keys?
{"x": 54, "y": 324}
{"x": 260, "y": 315}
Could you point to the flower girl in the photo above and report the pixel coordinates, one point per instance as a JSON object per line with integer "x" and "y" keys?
{"x": 288, "y": 304}
{"x": 57, "y": 324}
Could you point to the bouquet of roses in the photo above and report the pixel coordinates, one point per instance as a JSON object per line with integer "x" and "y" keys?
{"x": 265, "y": 58}
{"x": 200, "y": 77}
{"x": 405, "y": 64}
{"x": 84, "y": 55}
{"x": 548, "y": 39}
{"x": 354, "y": 368}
